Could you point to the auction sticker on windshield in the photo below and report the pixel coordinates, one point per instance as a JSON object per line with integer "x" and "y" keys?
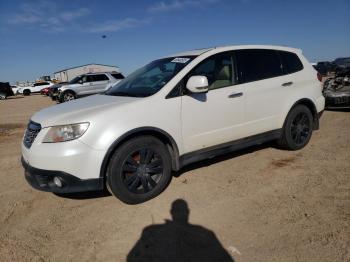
{"x": 181, "y": 60}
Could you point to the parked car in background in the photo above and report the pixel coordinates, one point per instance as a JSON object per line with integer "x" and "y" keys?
{"x": 35, "y": 88}
{"x": 336, "y": 90}
{"x": 325, "y": 67}
{"x": 88, "y": 84}
{"x": 45, "y": 91}
{"x": 174, "y": 111}
{"x": 53, "y": 90}
{"x": 5, "y": 90}
{"x": 343, "y": 62}
{"x": 14, "y": 89}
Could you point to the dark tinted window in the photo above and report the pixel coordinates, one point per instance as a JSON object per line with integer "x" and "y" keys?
{"x": 96, "y": 78}
{"x": 290, "y": 62}
{"x": 77, "y": 79}
{"x": 41, "y": 84}
{"x": 117, "y": 76}
{"x": 257, "y": 64}
{"x": 218, "y": 69}
{"x": 87, "y": 78}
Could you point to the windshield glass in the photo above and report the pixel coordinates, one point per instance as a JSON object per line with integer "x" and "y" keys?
{"x": 149, "y": 79}
{"x": 75, "y": 80}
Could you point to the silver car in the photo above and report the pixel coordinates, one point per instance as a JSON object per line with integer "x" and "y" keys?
{"x": 88, "y": 84}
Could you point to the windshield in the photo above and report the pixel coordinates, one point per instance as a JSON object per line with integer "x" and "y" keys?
{"x": 149, "y": 79}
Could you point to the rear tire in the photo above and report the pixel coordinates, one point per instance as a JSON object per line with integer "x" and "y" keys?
{"x": 297, "y": 129}
{"x": 26, "y": 92}
{"x": 139, "y": 170}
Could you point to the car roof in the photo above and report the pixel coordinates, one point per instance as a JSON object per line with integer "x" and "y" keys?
{"x": 195, "y": 52}
{"x": 98, "y": 73}
{"x": 198, "y": 52}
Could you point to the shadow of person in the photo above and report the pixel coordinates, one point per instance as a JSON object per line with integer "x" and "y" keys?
{"x": 177, "y": 240}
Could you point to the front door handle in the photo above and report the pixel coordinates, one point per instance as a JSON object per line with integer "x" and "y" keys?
{"x": 233, "y": 95}
{"x": 287, "y": 84}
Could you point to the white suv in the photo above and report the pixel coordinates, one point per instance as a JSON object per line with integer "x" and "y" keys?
{"x": 34, "y": 88}
{"x": 174, "y": 111}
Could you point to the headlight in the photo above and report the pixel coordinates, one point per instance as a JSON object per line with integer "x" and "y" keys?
{"x": 65, "y": 133}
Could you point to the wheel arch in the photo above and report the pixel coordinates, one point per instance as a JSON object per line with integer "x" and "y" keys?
{"x": 69, "y": 90}
{"x": 311, "y": 105}
{"x": 162, "y": 135}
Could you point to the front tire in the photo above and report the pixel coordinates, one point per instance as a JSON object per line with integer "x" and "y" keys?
{"x": 2, "y": 96}
{"x": 68, "y": 96}
{"x": 139, "y": 170}
{"x": 26, "y": 92}
{"x": 297, "y": 129}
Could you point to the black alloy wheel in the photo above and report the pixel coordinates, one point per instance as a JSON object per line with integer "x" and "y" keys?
{"x": 142, "y": 170}
{"x": 139, "y": 169}
{"x": 297, "y": 129}
{"x": 300, "y": 128}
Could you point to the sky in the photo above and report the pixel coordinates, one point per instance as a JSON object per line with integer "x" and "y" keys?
{"x": 39, "y": 37}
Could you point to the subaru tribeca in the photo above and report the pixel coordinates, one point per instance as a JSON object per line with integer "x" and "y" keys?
{"x": 173, "y": 111}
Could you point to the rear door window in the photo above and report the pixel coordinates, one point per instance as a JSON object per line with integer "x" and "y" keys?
{"x": 257, "y": 64}
{"x": 100, "y": 77}
{"x": 290, "y": 62}
{"x": 97, "y": 78}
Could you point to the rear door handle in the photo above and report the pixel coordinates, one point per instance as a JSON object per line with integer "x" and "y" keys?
{"x": 233, "y": 95}
{"x": 287, "y": 84}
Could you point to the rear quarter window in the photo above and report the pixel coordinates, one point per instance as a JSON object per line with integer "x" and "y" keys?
{"x": 290, "y": 62}
{"x": 118, "y": 76}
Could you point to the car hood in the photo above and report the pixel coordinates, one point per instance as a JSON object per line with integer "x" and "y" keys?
{"x": 80, "y": 110}
{"x": 24, "y": 87}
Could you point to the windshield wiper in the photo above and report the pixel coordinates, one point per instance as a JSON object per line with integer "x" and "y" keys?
{"x": 120, "y": 93}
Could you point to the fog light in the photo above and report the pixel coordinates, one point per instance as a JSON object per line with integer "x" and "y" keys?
{"x": 57, "y": 181}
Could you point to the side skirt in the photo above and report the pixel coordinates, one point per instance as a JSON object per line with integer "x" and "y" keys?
{"x": 229, "y": 147}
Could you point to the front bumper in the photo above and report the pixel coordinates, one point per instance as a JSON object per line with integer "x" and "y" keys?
{"x": 53, "y": 95}
{"x": 44, "y": 180}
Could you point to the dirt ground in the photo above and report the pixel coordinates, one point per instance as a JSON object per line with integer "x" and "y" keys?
{"x": 259, "y": 204}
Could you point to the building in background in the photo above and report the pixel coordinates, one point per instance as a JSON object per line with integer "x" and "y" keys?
{"x": 68, "y": 74}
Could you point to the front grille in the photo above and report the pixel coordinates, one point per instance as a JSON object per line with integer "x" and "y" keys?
{"x": 32, "y": 131}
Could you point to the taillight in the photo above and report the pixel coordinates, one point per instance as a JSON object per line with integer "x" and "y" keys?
{"x": 319, "y": 77}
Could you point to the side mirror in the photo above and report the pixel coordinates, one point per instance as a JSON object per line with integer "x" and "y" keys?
{"x": 198, "y": 84}
{"x": 80, "y": 81}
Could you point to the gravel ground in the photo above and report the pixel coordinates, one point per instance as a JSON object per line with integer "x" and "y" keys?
{"x": 259, "y": 204}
